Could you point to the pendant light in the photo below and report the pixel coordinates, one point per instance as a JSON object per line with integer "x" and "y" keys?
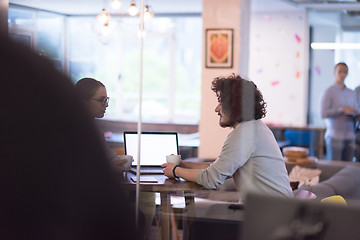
{"x": 103, "y": 17}
{"x": 133, "y": 9}
{"x": 116, "y": 4}
{"x": 147, "y": 14}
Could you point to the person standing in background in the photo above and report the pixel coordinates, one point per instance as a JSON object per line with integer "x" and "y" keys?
{"x": 357, "y": 127}
{"x": 339, "y": 107}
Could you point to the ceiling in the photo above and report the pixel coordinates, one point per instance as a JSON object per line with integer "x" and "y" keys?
{"x": 92, "y": 7}
{"x": 327, "y": 5}
{"x": 87, "y": 7}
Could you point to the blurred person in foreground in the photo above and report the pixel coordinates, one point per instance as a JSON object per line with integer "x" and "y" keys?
{"x": 94, "y": 96}
{"x": 339, "y": 107}
{"x": 250, "y": 153}
{"x": 55, "y": 183}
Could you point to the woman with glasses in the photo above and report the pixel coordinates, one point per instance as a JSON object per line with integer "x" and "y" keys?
{"x": 93, "y": 92}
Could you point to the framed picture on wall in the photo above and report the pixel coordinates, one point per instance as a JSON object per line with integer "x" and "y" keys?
{"x": 219, "y": 48}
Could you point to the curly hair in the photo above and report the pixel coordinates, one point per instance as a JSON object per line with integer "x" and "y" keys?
{"x": 239, "y": 98}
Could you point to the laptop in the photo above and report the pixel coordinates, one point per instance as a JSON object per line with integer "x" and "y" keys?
{"x": 155, "y": 146}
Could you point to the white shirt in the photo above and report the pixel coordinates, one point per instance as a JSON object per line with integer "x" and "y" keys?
{"x": 252, "y": 157}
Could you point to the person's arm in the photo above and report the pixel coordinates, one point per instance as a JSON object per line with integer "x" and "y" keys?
{"x": 194, "y": 165}
{"x": 351, "y": 109}
{"x": 185, "y": 173}
{"x": 327, "y": 109}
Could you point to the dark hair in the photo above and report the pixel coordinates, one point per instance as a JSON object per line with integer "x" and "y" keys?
{"x": 239, "y": 98}
{"x": 51, "y": 150}
{"x": 87, "y": 87}
{"x": 342, "y": 64}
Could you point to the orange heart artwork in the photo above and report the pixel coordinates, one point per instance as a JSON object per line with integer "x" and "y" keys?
{"x": 219, "y": 48}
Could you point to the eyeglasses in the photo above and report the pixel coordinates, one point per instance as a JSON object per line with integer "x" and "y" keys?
{"x": 103, "y": 101}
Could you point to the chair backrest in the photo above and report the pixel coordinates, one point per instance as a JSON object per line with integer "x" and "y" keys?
{"x": 297, "y": 137}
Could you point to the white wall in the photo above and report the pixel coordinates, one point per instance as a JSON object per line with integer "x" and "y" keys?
{"x": 322, "y": 74}
{"x": 277, "y": 61}
{"x": 279, "y": 46}
{"x": 234, "y": 14}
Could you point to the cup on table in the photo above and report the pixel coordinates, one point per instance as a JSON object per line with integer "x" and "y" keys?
{"x": 129, "y": 160}
{"x": 175, "y": 159}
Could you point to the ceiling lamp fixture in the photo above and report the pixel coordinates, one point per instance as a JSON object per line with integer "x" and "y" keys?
{"x": 105, "y": 31}
{"x": 334, "y": 46}
{"x": 103, "y": 17}
{"x": 148, "y": 14}
{"x": 116, "y": 4}
{"x": 133, "y": 9}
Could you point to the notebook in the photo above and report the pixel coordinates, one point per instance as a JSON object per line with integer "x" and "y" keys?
{"x": 155, "y": 146}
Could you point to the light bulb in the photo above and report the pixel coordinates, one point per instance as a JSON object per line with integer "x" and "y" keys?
{"x": 103, "y": 17}
{"x": 132, "y": 9}
{"x": 116, "y": 4}
{"x": 105, "y": 31}
{"x": 147, "y": 15}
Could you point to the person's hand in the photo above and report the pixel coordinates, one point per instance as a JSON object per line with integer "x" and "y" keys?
{"x": 349, "y": 110}
{"x": 181, "y": 164}
{"x": 119, "y": 165}
{"x": 168, "y": 169}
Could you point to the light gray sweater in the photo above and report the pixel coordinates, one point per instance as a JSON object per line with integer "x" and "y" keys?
{"x": 252, "y": 157}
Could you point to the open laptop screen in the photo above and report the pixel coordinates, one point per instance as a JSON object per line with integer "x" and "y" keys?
{"x": 155, "y": 146}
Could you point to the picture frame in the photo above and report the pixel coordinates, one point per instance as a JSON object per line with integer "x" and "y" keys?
{"x": 219, "y": 48}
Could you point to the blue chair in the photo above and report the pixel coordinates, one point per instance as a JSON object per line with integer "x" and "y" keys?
{"x": 301, "y": 138}
{"x": 297, "y": 137}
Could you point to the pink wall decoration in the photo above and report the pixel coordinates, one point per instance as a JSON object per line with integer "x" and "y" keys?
{"x": 278, "y": 65}
{"x": 275, "y": 83}
{"x": 318, "y": 70}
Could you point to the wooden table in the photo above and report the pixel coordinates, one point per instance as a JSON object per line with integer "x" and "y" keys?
{"x": 167, "y": 187}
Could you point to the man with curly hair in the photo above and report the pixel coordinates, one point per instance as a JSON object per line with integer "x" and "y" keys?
{"x": 250, "y": 154}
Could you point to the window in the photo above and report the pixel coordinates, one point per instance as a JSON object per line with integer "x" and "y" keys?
{"x": 172, "y": 65}
{"x": 50, "y": 37}
{"x": 40, "y": 30}
{"x": 351, "y": 57}
{"x": 338, "y": 28}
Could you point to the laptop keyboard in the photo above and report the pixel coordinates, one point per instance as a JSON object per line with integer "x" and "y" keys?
{"x": 148, "y": 170}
